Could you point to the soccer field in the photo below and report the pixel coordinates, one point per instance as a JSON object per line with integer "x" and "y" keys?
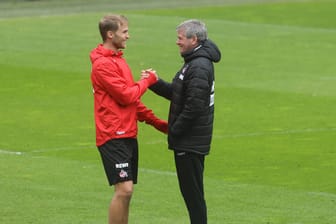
{"x": 273, "y": 156}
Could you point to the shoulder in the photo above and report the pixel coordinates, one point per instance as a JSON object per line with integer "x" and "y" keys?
{"x": 107, "y": 62}
{"x": 200, "y": 63}
{"x": 199, "y": 66}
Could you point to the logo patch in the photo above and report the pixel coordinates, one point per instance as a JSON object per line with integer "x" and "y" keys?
{"x": 181, "y": 76}
{"x": 120, "y": 132}
{"x": 212, "y": 96}
{"x": 180, "y": 153}
{"x": 184, "y": 69}
{"x": 123, "y": 174}
{"x": 121, "y": 165}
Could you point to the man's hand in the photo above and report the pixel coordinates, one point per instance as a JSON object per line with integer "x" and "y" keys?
{"x": 149, "y": 74}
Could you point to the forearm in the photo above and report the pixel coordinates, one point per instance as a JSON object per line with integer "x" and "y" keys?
{"x": 162, "y": 88}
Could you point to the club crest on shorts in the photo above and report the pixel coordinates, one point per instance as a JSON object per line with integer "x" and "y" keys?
{"x": 123, "y": 174}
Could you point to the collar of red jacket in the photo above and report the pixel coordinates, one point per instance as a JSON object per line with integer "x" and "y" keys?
{"x": 108, "y": 52}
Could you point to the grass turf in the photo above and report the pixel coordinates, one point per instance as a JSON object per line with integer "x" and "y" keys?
{"x": 273, "y": 154}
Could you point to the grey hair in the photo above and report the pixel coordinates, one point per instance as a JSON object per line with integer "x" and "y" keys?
{"x": 194, "y": 27}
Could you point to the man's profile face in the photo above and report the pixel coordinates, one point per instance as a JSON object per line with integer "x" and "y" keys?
{"x": 185, "y": 44}
{"x": 120, "y": 36}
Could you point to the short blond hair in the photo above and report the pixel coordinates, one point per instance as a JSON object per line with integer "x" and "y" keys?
{"x": 111, "y": 23}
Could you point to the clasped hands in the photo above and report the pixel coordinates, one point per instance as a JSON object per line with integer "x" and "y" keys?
{"x": 145, "y": 74}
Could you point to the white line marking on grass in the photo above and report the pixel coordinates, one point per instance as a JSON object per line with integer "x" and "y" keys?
{"x": 324, "y": 194}
{"x": 281, "y": 132}
{"x": 252, "y": 134}
{"x": 171, "y": 173}
{"x": 154, "y": 142}
{"x": 42, "y": 150}
{"x": 160, "y": 172}
{"x": 61, "y": 149}
{"x": 2, "y": 151}
{"x": 145, "y": 170}
{"x": 241, "y": 185}
{"x": 285, "y": 26}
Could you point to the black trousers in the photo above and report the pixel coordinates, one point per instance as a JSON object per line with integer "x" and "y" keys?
{"x": 190, "y": 169}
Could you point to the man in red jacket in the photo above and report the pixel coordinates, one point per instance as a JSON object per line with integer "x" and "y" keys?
{"x": 117, "y": 108}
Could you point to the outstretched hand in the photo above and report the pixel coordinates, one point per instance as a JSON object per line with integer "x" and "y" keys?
{"x": 145, "y": 74}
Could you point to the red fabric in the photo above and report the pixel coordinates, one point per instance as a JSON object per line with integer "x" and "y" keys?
{"x": 116, "y": 96}
{"x": 148, "y": 116}
{"x": 161, "y": 125}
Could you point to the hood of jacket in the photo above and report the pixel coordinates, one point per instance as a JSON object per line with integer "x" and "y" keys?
{"x": 101, "y": 51}
{"x": 206, "y": 49}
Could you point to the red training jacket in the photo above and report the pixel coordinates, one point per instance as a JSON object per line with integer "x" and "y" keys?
{"x": 117, "y": 105}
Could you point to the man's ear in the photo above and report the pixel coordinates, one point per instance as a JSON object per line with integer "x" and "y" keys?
{"x": 109, "y": 34}
{"x": 194, "y": 40}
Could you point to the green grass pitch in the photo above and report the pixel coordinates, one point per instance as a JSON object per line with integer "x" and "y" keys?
{"x": 273, "y": 158}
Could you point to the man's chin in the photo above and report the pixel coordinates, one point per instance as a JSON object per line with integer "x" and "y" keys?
{"x": 122, "y": 46}
{"x": 181, "y": 50}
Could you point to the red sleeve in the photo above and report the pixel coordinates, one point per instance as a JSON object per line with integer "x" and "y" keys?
{"x": 122, "y": 90}
{"x": 147, "y": 115}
